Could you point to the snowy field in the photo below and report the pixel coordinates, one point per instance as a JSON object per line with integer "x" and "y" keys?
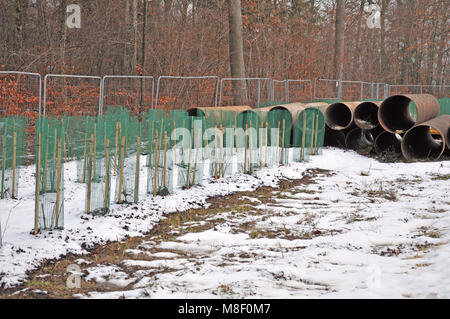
{"x": 350, "y": 227}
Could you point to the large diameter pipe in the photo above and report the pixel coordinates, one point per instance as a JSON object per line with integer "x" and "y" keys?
{"x": 388, "y": 142}
{"x": 334, "y": 138}
{"x": 339, "y": 116}
{"x": 360, "y": 141}
{"x": 428, "y": 140}
{"x": 395, "y": 112}
{"x": 366, "y": 115}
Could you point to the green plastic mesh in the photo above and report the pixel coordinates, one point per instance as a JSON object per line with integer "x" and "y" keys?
{"x": 445, "y": 106}
{"x": 308, "y": 134}
{"x": 128, "y": 171}
{"x": 190, "y": 164}
{"x": 99, "y": 166}
{"x": 50, "y": 174}
{"x": 12, "y": 154}
{"x": 161, "y": 154}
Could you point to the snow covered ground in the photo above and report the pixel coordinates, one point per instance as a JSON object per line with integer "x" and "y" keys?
{"x": 358, "y": 228}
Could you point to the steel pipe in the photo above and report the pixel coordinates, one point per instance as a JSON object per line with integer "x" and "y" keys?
{"x": 388, "y": 142}
{"x": 366, "y": 115}
{"x": 339, "y": 116}
{"x": 360, "y": 141}
{"x": 395, "y": 112}
{"x": 428, "y": 140}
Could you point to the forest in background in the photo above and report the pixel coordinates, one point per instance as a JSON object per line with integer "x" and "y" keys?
{"x": 282, "y": 39}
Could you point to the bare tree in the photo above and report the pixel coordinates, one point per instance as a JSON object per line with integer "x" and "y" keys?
{"x": 237, "y": 65}
{"x": 339, "y": 40}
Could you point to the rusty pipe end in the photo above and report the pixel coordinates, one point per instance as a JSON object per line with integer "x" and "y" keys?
{"x": 360, "y": 141}
{"x": 366, "y": 115}
{"x": 339, "y": 116}
{"x": 388, "y": 142}
{"x": 395, "y": 116}
{"x": 427, "y": 141}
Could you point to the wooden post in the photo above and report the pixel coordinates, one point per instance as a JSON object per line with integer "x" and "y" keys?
{"x": 94, "y": 154}
{"x": 312, "y": 135}
{"x": 156, "y": 165}
{"x": 13, "y": 186}
{"x": 107, "y": 176}
{"x": 304, "y": 136}
{"x": 58, "y": 185}
{"x": 122, "y": 160}
{"x": 38, "y": 186}
{"x": 89, "y": 181}
{"x": 136, "y": 176}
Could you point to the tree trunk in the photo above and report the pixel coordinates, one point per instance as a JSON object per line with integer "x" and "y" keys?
{"x": 237, "y": 65}
{"x": 339, "y": 40}
{"x": 130, "y": 47}
{"x": 15, "y": 34}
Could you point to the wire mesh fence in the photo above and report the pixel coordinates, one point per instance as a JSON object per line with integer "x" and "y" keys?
{"x": 184, "y": 92}
{"x": 256, "y": 91}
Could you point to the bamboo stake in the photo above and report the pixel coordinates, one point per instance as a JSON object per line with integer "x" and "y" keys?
{"x": 190, "y": 158}
{"x": 245, "y": 148}
{"x": 116, "y": 149}
{"x": 312, "y": 136}
{"x": 44, "y": 188}
{"x": 260, "y": 144}
{"x": 156, "y": 164}
{"x": 215, "y": 153}
{"x": 38, "y": 186}
{"x": 277, "y": 159}
{"x": 304, "y": 137}
{"x": 222, "y": 160}
{"x": 107, "y": 177}
{"x": 89, "y": 181}
{"x": 315, "y": 138}
{"x": 94, "y": 162}
{"x": 58, "y": 185}
{"x": 122, "y": 160}
{"x": 136, "y": 176}
{"x": 283, "y": 142}
{"x": 251, "y": 147}
{"x": 174, "y": 149}
{"x": 235, "y": 132}
{"x": 4, "y": 161}
{"x": 196, "y": 155}
{"x": 165, "y": 160}
{"x": 267, "y": 141}
{"x": 13, "y": 186}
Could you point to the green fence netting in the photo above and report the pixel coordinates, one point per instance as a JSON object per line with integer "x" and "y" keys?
{"x": 308, "y": 134}
{"x": 128, "y": 166}
{"x": 98, "y": 164}
{"x": 50, "y": 146}
{"x": 445, "y": 106}
{"x": 13, "y": 154}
